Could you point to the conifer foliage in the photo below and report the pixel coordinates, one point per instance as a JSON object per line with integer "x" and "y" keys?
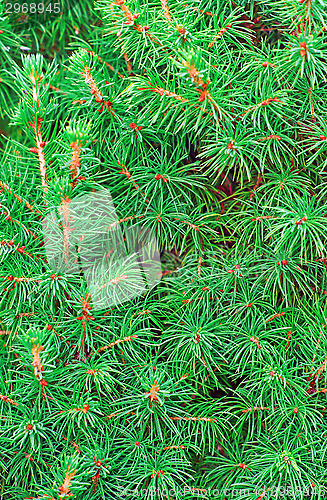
{"x": 206, "y": 122}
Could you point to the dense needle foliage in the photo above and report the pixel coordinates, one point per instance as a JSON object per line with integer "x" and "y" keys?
{"x": 207, "y": 123}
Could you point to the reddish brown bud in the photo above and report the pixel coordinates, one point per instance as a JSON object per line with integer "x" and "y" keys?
{"x": 49, "y": 327}
{"x": 303, "y": 50}
{"x": 29, "y": 427}
{"x": 296, "y": 410}
{"x": 284, "y": 262}
{"x": 265, "y": 64}
{"x": 137, "y": 443}
{"x": 322, "y": 138}
{"x": 43, "y": 382}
